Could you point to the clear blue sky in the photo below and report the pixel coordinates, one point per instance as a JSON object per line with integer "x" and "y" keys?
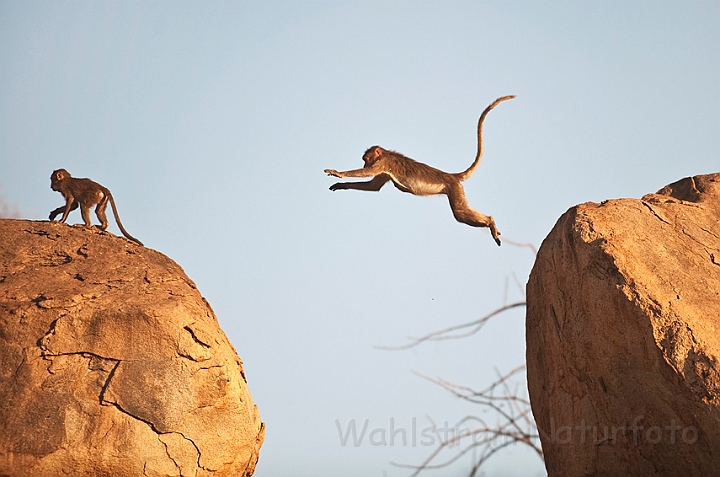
{"x": 212, "y": 122}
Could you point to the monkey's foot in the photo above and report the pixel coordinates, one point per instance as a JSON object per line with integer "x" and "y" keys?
{"x": 495, "y": 233}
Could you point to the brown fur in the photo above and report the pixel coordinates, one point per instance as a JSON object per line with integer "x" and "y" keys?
{"x": 84, "y": 193}
{"x": 420, "y": 179}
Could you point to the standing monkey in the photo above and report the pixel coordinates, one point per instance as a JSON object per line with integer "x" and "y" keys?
{"x": 420, "y": 179}
{"x": 84, "y": 193}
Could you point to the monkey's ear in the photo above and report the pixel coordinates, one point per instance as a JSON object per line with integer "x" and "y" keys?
{"x": 59, "y": 175}
{"x": 377, "y": 152}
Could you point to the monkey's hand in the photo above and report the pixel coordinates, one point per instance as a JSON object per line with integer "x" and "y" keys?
{"x": 338, "y": 186}
{"x": 52, "y": 216}
{"x": 332, "y": 172}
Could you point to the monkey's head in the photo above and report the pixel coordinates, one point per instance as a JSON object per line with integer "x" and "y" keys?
{"x": 58, "y": 176}
{"x": 372, "y": 155}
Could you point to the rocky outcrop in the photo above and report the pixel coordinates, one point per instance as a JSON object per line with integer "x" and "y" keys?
{"x": 623, "y": 335}
{"x": 113, "y": 364}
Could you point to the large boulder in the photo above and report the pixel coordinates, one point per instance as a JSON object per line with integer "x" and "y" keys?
{"x": 623, "y": 335}
{"x": 113, "y": 364}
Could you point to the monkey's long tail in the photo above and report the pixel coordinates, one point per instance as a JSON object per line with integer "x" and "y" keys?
{"x": 467, "y": 173}
{"x": 120, "y": 225}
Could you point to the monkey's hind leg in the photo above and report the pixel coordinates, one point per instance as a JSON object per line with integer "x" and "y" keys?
{"x": 466, "y": 214}
{"x": 100, "y": 212}
{"x": 85, "y": 212}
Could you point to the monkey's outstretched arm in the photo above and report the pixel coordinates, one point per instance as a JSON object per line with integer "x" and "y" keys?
{"x": 69, "y": 206}
{"x": 56, "y": 212}
{"x": 364, "y": 172}
{"x": 372, "y": 185}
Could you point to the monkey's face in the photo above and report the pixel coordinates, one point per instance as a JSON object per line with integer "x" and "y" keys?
{"x": 56, "y": 177}
{"x": 372, "y": 155}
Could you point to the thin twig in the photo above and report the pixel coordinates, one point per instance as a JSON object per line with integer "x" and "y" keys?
{"x": 520, "y": 286}
{"x": 520, "y": 244}
{"x": 444, "y": 334}
{"x": 515, "y": 424}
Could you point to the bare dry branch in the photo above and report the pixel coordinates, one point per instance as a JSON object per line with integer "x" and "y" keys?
{"x": 445, "y": 334}
{"x": 506, "y": 400}
{"x": 521, "y": 244}
{"x": 515, "y": 425}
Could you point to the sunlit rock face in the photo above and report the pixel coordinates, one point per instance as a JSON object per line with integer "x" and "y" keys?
{"x": 113, "y": 364}
{"x": 623, "y": 335}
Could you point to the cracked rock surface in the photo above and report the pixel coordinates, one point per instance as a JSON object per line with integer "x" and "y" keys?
{"x": 623, "y": 335}
{"x": 113, "y": 364}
